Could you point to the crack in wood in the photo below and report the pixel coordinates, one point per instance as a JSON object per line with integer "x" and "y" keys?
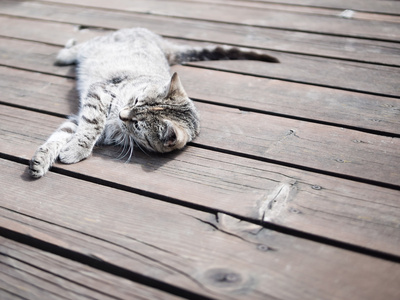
{"x": 275, "y": 204}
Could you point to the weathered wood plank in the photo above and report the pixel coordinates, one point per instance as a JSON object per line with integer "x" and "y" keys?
{"x": 367, "y": 78}
{"x": 328, "y": 11}
{"x": 31, "y": 273}
{"x": 247, "y": 92}
{"x": 292, "y": 99}
{"x": 39, "y": 91}
{"x": 383, "y": 6}
{"x": 40, "y": 58}
{"x": 247, "y": 36}
{"x": 368, "y": 215}
{"x": 330, "y": 149}
{"x": 255, "y": 17}
{"x": 232, "y": 259}
{"x": 336, "y": 150}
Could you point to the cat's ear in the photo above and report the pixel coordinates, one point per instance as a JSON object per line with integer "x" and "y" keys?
{"x": 175, "y": 89}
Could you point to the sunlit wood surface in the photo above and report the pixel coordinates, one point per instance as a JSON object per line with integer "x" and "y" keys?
{"x": 292, "y": 190}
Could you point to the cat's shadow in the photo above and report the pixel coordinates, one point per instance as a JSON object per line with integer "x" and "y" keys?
{"x": 149, "y": 162}
{"x": 73, "y": 101}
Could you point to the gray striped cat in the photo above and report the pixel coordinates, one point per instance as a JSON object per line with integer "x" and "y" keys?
{"x": 127, "y": 96}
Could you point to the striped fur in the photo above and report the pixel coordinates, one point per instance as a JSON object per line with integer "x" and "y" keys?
{"x": 128, "y": 97}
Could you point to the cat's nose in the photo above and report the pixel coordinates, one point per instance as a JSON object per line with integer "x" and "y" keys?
{"x": 124, "y": 114}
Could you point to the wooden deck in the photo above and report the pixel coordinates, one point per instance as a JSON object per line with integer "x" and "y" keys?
{"x": 292, "y": 191}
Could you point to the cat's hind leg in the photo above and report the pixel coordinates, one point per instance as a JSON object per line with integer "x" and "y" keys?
{"x": 49, "y": 151}
{"x": 69, "y": 54}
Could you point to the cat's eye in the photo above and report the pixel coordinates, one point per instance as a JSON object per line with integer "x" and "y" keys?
{"x": 136, "y": 101}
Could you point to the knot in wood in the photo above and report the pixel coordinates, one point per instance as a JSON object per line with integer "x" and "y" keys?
{"x": 224, "y": 277}
{"x": 294, "y": 210}
{"x": 263, "y": 248}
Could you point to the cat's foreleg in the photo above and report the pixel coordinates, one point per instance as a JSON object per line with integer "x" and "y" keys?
{"x": 49, "y": 151}
{"x": 92, "y": 120}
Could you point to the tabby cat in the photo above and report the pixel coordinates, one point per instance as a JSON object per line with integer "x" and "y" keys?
{"x": 127, "y": 96}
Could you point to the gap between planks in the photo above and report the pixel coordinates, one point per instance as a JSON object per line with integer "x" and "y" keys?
{"x": 33, "y": 273}
{"x": 259, "y": 18}
{"x": 361, "y": 78}
{"x": 259, "y": 152}
{"x": 234, "y": 188}
{"x": 237, "y": 247}
{"x": 309, "y": 44}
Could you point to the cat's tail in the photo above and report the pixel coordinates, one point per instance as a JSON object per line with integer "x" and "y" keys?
{"x": 179, "y": 54}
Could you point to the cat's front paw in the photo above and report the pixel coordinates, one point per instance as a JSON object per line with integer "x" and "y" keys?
{"x": 73, "y": 152}
{"x": 40, "y": 163}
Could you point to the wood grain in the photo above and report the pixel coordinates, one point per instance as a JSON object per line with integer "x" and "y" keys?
{"x": 374, "y": 14}
{"x": 380, "y": 80}
{"x": 255, "y": 17}
{"x": 245, "y": 92}
{"x": 232, "y": 258}
{"x": 292, "y": 99}
{"x": 385, "y": 6}
{"x": 31, "y": 273}
{"x": 290, "y": 192}
{"x": 261, "y": 191}
{"x": 246, "y": 36}
{"x": 363, "y": 78}
{"x": 299, "y": 143}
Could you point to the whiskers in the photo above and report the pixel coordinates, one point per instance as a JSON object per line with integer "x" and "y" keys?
{"x": 128, "y": 144}
{"x": 140, "y": 147}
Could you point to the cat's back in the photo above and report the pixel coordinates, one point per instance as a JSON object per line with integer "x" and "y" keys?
{"x": 135, "y": 51}
{"x": 135, "y": 39}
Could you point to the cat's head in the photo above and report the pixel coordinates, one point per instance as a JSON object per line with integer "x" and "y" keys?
{"x": 162, "y": 119}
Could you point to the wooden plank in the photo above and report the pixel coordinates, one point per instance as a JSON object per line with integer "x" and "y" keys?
{"x": 31, "y": 273}
{"x": 342, "y": 151}
{"x": 305, "y": 201}
{"x": 292, "y": 99}
{"x": 255, "y": 17}
{"x": 246, "y": 92}
{"x": 367, "y": 78}
{"x": 15, "y": 27}
{"x": 355, "y": 14}
{"x": 40, "y": 58}
{"x": 383, "y": 6}
{"x": 53, "y": 94}
{"x": 336, "y": 150}
{"x": 219, "y": 258}
{"x": 247, "y": 36}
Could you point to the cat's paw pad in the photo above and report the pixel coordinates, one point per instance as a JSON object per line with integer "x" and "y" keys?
{"x": 73, "y": 152}
{"x": 39, "y": 164}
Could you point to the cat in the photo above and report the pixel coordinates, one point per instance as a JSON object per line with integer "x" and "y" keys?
{"x": 128, "y": 97}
